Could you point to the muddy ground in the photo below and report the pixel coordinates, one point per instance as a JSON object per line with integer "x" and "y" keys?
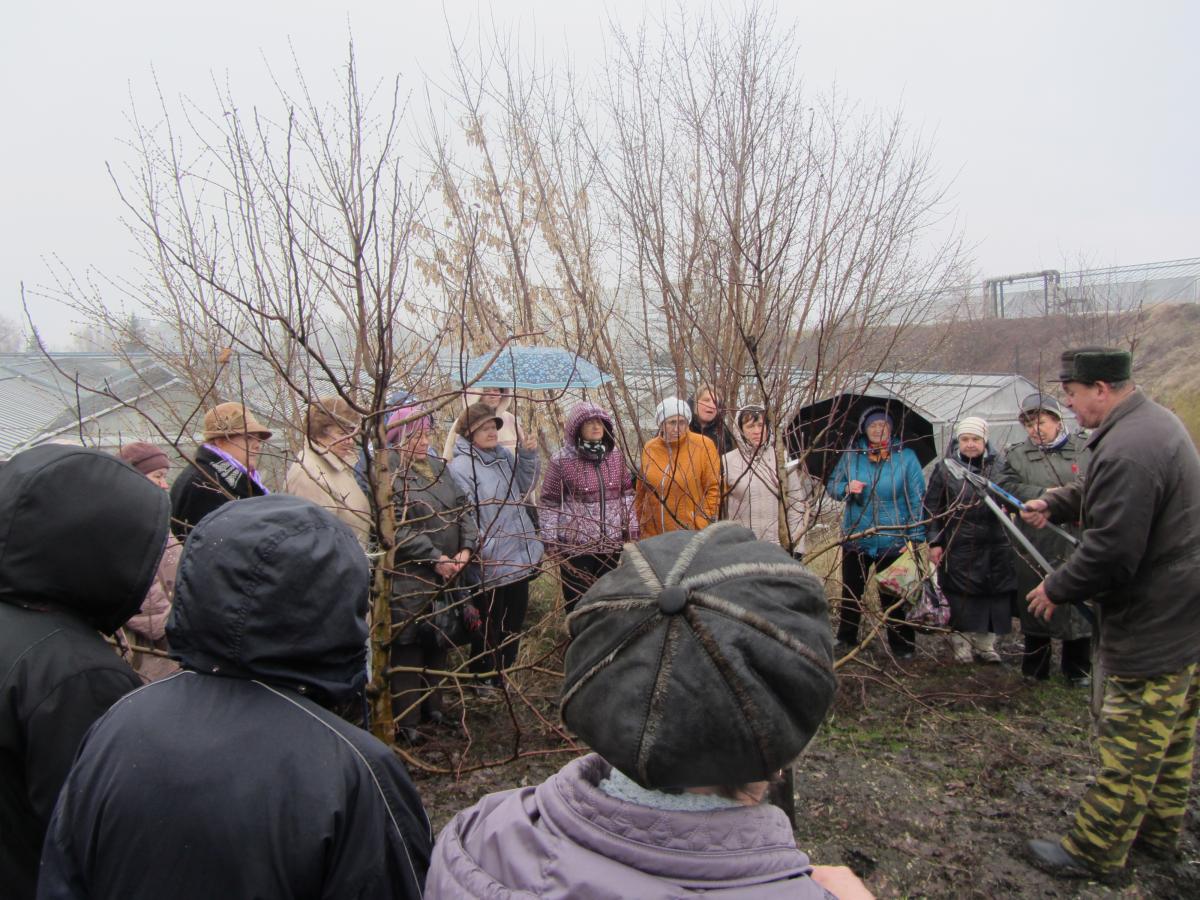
{"x": 926, "y": 779}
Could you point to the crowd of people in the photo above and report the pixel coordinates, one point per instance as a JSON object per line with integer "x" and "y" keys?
{"x": 700, "y": 661}
{"x": 479, "y": 505}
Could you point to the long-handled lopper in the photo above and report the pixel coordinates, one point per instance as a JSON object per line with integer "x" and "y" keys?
{"x": 984, "y": 484}
{"x": 959, "y": 471}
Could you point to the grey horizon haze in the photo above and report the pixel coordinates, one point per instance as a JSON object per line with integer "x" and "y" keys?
{"x": 1066, "y": 132}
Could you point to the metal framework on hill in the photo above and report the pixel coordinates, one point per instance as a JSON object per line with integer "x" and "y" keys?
{"x": 1112, "y": 290}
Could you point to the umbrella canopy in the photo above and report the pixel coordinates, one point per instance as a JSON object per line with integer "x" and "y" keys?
{"x": 826, "y": 428}
{"x": 533, "y": 369}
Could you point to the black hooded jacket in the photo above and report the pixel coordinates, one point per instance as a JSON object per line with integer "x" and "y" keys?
{"x": 978, "y": 560}
{"x": 232, "y": 778}
{"x": 81, "y": 534}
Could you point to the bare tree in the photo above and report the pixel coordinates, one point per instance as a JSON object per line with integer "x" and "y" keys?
{"x": 277, "y": 253}
{"x": 692, "y": 214}
{"x": 695, "y": 214}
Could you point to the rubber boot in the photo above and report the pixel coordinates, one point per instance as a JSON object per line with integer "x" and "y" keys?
{"x": 961, "y": 647}
{"x": 985, "y": 647}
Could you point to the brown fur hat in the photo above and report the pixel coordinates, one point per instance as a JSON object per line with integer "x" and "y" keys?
{"x": 705, "y": 658}
{"x": 474, "y": 416}
{"x": 226, "y": 420}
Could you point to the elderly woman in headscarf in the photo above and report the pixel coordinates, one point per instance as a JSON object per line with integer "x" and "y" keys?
{"x": 435, "y": 539}
{"x": 881, "y": 484}
{"x": 970, "y": 547}
{"x": 752, "y": 492}
{"x": 698, "y": 669}
{"x": 679, "y": 486}
{"x": 1049, "y": 457}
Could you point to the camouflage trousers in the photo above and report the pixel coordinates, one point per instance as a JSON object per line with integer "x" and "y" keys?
{"x": 1147, "y": 741}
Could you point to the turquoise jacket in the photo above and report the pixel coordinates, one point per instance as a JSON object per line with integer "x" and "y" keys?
{"x": 893, "y": 496}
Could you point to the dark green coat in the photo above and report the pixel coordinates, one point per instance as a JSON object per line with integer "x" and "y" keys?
{"x": 1140, "y": 555}
{"x": 1026, "y": 472}
{"x": 432, "y": 519}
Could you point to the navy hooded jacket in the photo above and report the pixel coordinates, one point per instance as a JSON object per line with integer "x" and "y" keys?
{"x": 81, "y": 533}
{"x": 233, "y": 778}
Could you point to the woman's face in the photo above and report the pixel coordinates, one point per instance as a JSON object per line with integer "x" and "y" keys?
{"x": 971, "y": 446}
{"x": 753, "y": 431}
{"x": 340, "y": 440}
{"x": 491, "y": 396}
{"x": 1042, "y": 428}
{"x": 591, "y": 430}
{"x": 706, "y": 407}
{"x": 417, "y": 441}
{"x": 879, "y": 432}
{"x": 159, "y": 477}
{"x": 486, "y": 436}
{"x": 673, "y": 428}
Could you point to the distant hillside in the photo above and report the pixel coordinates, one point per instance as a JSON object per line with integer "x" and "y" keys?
{"x": 1165, "y": 342}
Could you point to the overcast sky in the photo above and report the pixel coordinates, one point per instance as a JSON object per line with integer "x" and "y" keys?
{"x": 1068, "y": 131}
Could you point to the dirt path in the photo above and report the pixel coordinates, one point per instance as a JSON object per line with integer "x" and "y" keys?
{"x": 929, "y": 784}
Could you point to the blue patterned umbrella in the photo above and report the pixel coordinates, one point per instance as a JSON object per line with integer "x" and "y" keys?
{"x": 534, "y": 369}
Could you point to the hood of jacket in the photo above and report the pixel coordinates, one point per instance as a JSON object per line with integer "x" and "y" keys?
{"x": 579, "y": 414}
{"x": 80, "y": 530}
{"x": 567, "y": 838}
{"x": 274, "y": 589}
{"x": 743, "y": 445}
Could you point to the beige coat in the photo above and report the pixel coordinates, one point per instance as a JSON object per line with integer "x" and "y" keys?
{"x": 752, "y": 495}
{"x": 328, "y": 481}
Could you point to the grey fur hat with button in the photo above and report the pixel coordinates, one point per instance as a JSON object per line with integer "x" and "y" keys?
{"x": 705, "y": 658}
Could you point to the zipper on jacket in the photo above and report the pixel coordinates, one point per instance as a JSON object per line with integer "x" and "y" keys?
{"x": 663, "y": 493}
{"x": 603, "y": 514}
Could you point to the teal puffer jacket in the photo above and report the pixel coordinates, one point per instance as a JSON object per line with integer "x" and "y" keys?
{"x": 891, "y": 500}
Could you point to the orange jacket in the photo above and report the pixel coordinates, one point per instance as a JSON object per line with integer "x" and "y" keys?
{"x": 680, "y": 485}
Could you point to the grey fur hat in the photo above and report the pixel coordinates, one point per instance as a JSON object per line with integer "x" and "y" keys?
{"x": 1087, "y": 365}
{"x": 704, "y": 658}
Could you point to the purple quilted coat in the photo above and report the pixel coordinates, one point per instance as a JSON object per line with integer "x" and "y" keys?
{"x": 586, "y": 504}
{"x": 567, "y": 838}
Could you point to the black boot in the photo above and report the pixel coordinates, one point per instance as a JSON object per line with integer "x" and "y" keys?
{"x": 1053, "y": 859}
